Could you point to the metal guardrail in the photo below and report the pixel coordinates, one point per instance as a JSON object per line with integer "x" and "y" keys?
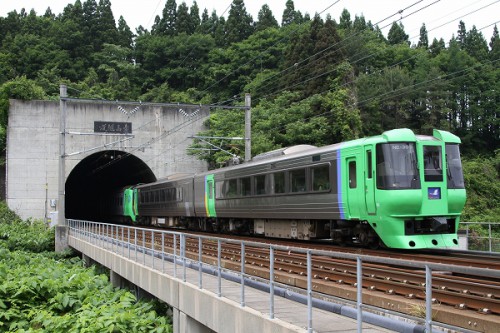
{"x": 118, "y": 237}
{"x": 482, "y": 236}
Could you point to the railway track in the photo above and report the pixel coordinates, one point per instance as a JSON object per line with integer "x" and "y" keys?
{"x": 472, "y": 302}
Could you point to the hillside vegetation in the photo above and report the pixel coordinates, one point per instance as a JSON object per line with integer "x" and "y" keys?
{"x": 41, "y": 291}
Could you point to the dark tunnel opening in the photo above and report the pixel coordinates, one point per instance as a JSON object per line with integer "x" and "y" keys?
{"x": 96, "y": 177}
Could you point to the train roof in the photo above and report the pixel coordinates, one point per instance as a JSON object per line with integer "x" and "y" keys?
{"x": 396, "y": 135}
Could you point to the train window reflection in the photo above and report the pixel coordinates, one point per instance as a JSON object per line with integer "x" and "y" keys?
{"x": 231, "y": 188}
{"x": 279, "y": 182}
{"x": 246, "y": 187}
{"x": 454, "y": 166}
{"x": 298, "y": 180}
{"x": 320, "y": 176}
{"x": 352, "y": 175}
{"x": 397, "y": 166}
{"x": 433, "y": 170}
{"x": 260, "y": 184}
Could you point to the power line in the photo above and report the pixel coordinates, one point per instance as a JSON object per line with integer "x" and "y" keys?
{"x": 253, "y": 59}
{"x": 366, "y": 57}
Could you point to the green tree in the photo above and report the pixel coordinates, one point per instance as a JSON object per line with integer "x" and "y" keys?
{"x": 239, "y": 25}
{"x": 437, "y": 46}
{"x": 345, "y": 22}
{"x": 167, "y": 24}
{"x": 461, "y": 34}
{"x": 183, "y": 22}
{"x": 476, "y": 45}
{"x": 106, "y": 24}
{"x": 289, "y": 14}
{"x": 359, "y": 23}
{"x": 125, "y": 35}
{"x": 397, "y": 34}
{"x": 424, "y": 38}
{"x": 265, "y": 19}
{"x": 194, "y": 13}
{"x": 495, "y": 45}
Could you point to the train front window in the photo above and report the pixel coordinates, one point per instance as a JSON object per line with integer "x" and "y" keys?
{"x": 433, "y": 169}
{"x": 397, "y": 166}
{"x": 455, "y": 173}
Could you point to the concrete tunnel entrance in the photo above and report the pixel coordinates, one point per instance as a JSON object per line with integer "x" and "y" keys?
{"x": 97, "y": 176}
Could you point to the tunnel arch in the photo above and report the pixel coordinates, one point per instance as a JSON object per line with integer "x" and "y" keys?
{"x": 97, "y": 176}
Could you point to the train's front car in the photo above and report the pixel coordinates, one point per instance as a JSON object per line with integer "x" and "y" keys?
{"x": 420, "y": 189}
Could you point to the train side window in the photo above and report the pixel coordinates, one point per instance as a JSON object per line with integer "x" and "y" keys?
{"x": 279, "y": 182}
{"x": 219, "y": 190}
{"x": 320, "y": 176}
{"x": 246, "y": 186}
{"x": 352, "y": 174}
{"x": 260, "y": 184}
{"x": 369, "y": 164}
{"x": 298, "y": 180}
{"x": 231, "y": 188}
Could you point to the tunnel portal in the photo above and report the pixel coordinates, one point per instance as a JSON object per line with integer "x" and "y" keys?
{"x": 96, "y": 177}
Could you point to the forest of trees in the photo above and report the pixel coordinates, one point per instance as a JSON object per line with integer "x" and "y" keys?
{"x": 313, "y": 79}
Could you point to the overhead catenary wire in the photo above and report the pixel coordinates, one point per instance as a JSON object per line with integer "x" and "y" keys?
{"x": 343, "y": 41}
{"x": 400, "y": 91}
{"x": 257, "y": 57}
{"x": 364, "y": 58}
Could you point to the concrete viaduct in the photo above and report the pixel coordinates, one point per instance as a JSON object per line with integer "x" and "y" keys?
{"x": 107, "y": 145}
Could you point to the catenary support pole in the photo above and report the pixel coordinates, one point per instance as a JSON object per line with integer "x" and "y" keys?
{"x": 248, "y": 127}
{"x": 62, "y": 233}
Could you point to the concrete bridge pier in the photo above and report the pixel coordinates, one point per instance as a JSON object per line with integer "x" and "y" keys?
{"x": 183, "y": 324}
{"x": 62, "y": 233}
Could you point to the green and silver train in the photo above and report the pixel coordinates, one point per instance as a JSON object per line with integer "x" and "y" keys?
{"x": 397, "y": 189}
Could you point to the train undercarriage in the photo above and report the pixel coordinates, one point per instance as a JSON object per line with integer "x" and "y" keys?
{"x": 339, "y": 231}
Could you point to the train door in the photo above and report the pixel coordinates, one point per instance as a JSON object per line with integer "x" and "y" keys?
{"x": 210, "y": 195}
{"x": 353, "y": 199}
{"x": 371, "y": 208}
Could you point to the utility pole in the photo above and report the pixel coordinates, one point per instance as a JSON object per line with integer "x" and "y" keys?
{"x": 61, "y": 228}
{"x": 248, "y": 127}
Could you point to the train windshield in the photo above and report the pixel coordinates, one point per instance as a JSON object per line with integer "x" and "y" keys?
{"x": 455, "y": 174}
{"x": 397, "y": 166}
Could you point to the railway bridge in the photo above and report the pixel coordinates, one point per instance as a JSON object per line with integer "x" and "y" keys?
{"x": 107, "y": 145}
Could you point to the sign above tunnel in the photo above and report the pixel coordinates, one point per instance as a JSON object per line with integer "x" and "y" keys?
{"x": 112, "y": 127}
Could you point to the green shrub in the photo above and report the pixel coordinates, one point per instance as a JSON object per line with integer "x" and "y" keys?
{"x": 30, "y": 235}
{"x": 42, "y": 294}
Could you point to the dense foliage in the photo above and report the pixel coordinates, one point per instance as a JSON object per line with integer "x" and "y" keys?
{"x": 44, "y": 292}
{"x": 313, "y": 80}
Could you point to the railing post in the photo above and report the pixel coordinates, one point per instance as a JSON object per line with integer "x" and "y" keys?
{"x": 219, "y": 270}
{"x": 123, "y": 240}
{"x": 128, "y": 241}
{"x": 489, "y": 227}
{"x": 200, "y": 263}
{"x": 271, "y": 282}
{"x": 153, "y": 247}
{"x": 175, "y": 256}
{"x": 309, "y": 292}
{"x": 162, "y": 251}
{"x": 242, "y": 261}
{"x": 135, "y": 244}
{"x": 428, "y": 299}
{"x": 467, "y": 234}
{"x": 143, "y": 247}
{"x": 183, "y": 256}
{"x": 359, "y": 281}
